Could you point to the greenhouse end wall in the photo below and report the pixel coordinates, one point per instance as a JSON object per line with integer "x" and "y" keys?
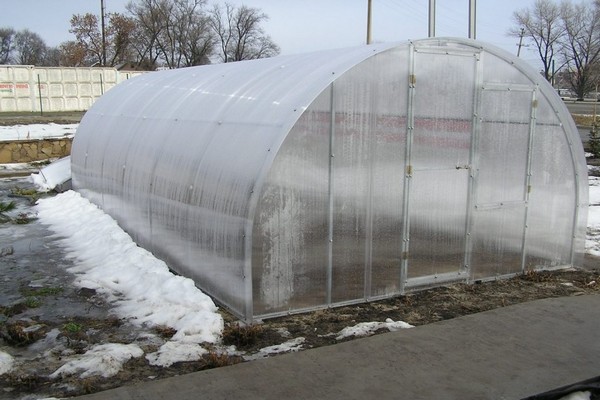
{"x": 308, "y": 181}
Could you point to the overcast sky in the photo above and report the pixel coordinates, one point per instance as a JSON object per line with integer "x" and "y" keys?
{"x": 300, "y": 26}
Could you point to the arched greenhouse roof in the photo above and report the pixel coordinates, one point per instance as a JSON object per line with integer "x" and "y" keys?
{"x": 305, "y": 181}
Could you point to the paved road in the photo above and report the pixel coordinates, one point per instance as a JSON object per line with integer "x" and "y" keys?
{"x": 582, "y": 107}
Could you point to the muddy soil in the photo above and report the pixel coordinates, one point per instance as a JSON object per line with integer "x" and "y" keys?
{"x": 44, "y": 318}
{"x": 23, "y": 118}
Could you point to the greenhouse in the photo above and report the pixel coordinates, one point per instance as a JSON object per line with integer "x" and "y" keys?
{"x": 307, "y": 181}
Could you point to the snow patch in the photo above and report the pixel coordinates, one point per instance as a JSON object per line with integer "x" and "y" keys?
{"x": 577, "y": 396}
{"x": 292, "y": 345}
{"x": 52, "y": 175}
{"x": 105, "y": 360}
{"x": 140, "y": 286}
{"x": 37, "y": 131}
{"x": 172, "y": 352}
{"x": 6, "y": 362}
{"x": 368, "y": 328}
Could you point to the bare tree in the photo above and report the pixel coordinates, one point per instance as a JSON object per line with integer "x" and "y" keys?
{"x": 30, "y": 48}
{"x": 148, "y": 27}
{"x": 118, "y": 38}
{"x": 88, "y": 35}
{"x": 239, "y": 33}
{"x": 542, "y": 25}
{"x": 73, "y": 54}
{"x": 581, "y": 45}
{"x": 7, "y": 36}
{"x": 52, "y": 58}
{"x": 175, "y": 32}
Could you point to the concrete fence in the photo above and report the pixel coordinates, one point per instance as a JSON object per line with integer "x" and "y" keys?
{"x": 26, "y": 88}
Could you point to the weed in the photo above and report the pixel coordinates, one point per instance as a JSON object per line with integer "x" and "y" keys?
{"x": 24, "y": 192}
{"x": 47, "y": 291}
{"x": 72, "y": 327}
{"x": 19, "y": 333}
{"x": 4, "y": 208}
{"x": 216, "y": 360}
{"x": 33, "y": 302}
{"x": 242, "y": 335}
{"x": 22, "y": 219}
{"x": 535, "y": 276}
{"x": 24, "y": 381}
{"x": 164, "y": 331}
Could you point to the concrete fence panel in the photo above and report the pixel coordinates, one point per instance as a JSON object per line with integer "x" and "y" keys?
{"x": 26, "y": 88}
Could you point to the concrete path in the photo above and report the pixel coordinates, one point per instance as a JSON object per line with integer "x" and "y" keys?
{"x": 509, "y": 353}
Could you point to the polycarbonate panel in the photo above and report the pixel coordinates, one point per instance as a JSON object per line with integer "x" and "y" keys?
{"x": 503, "y": 146}
{"x": 290, "y": 235}
{"x": 551, "y": 211}
{"x": 351, "y": 187}
{"x": 387, "y": 174}
{"x": 438, "y": 215}
{"x": 443, "y": 110}
{"x": 497, "y": 241}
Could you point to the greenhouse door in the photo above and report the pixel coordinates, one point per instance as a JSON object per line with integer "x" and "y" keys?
{"x": 502, "y": 179}
{"x": 438, "y": 166}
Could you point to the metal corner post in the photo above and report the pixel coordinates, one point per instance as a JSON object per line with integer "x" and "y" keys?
{"x": 330, "y": 195}
{"x": 410, "y": 123}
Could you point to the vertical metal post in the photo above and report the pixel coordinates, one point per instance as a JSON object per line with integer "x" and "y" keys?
{"x": 40, "y": 95}
{"x": 532, "y": 122}
{"x": 369, "y": 6}
{"x": 473, "y": 166}
{"x": 431, "y": 18}
{"x": 330, "y": 195}
{"x": 410, "y": 124}
{"x": 101, "y": 83}
{"x": 472, "y": 19}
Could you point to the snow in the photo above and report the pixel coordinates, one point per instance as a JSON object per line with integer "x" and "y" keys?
{"x": 37, "y": 131}
{"x": 172, "y": 352}
{"x": 52, "y": 175}
{"x": 577, "y": 396}
{"x": 368, "y": 328}
{"x": 6, "y": 362}
{"x": 140, "y": 287}
{"x": 292, "y": 345}
{"x": 105, "y": 360}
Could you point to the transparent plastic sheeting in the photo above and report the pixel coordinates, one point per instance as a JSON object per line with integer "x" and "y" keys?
{"x": 300, "y": 182}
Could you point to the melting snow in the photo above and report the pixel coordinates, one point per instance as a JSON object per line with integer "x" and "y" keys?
{"x": 6, "y": 362}
{"x": 141, "y": 287}
{"x": 292, "y": 345}
{"x": 368, "y": 328}
{"x": 37, "y": 131}
{"x": 105, "y": 360}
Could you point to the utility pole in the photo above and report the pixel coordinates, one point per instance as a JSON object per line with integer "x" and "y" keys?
{"x": 520, "y": 41}
{"x": 102, "y": 12}
{"x": 472, "y": 19}
{"x": 369, "y": 4}
{"x": 431, "y": 18}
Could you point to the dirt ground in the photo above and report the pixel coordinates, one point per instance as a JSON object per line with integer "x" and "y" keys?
{"x": 44, "y": 318}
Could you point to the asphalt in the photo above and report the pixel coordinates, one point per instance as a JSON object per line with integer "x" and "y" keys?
{"x": 508, "y": 353}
